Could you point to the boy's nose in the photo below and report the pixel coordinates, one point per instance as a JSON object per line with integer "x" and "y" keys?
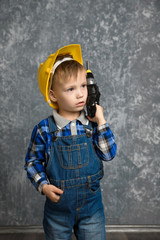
{"x": 79, "y": 93}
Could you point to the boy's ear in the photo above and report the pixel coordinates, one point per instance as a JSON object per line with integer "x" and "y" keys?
{"x": 52, "y": 96}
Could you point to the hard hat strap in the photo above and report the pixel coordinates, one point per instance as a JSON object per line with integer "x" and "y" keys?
{"x": 58, "y": 63}
{"x": 54, "y": 68}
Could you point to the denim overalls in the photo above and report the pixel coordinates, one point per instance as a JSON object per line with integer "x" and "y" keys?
{"x": 75, "y": 168}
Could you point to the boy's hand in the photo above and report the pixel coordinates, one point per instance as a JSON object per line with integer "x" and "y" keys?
{"x": 52, "y": 192}
{"x": 99, "y": 116}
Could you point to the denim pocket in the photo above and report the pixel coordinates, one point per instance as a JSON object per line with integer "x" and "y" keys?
{"x": 55, "y": 205}
{"x": 94, "y": 187}
{"x": 73, "y": 156}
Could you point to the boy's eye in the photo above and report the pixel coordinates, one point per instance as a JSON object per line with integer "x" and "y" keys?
{"x": 84, "y": 85}
{"x": 70, "y": 90}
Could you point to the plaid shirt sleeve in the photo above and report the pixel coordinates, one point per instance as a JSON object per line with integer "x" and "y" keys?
{"x": 36, "y": 157}
{"x": 105, "y": 142}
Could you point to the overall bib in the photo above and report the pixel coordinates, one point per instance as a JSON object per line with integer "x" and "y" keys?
{"x": 75, "y": 168}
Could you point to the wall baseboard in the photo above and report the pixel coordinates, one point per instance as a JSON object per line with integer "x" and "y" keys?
{"x": 109, "y": 228}
{"x": 133, "y": 228}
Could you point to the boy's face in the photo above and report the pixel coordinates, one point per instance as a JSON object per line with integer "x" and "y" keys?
{"x": 70, "y": 95}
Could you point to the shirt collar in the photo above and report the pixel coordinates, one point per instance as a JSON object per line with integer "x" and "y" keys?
{"x": 61, "y": 122}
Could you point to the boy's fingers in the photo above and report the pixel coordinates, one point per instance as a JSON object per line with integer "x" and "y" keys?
{"x": 51, "y": 191}
{"x": 56, "y": 190}
{"x": 55, "y": 197}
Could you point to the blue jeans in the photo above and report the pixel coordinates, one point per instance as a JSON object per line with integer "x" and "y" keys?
{"x": 59, "y": 226}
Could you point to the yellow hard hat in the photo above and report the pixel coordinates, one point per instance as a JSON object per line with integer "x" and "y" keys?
{"x": 45, "y": 68}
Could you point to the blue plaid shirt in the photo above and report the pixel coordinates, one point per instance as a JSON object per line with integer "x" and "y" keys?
{"x": 39, "y": 149}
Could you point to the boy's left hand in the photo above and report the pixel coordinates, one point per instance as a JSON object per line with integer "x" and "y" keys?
{"x": 99, "y": 116}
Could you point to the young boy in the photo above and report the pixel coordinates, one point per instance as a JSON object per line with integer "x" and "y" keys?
{"x": 64, "y": 158}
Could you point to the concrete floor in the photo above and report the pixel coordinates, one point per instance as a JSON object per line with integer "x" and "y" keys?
{"x": 109, "y": 236}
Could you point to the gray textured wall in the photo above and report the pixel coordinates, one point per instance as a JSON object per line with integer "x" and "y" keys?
{"x": 121, "y": 39}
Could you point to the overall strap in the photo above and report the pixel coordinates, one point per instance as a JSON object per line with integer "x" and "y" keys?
{"x": 90, "y": 125}
{"x": 89, "y": 128}
{"x": 52, "y": 125}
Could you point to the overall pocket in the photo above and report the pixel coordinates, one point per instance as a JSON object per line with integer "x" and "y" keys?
{"x": 95, "y": 187}
{"x": 73, "y": 156}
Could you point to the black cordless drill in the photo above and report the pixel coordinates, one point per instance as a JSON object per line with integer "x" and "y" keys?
{"x": 93, "y": 93}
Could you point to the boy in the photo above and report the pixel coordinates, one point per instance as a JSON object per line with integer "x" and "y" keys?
{"x": 64, "y": 158}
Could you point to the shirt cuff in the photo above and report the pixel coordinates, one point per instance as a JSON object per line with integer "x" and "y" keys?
{"x": 41, "y": 184}
{"x": 102, "y": 128}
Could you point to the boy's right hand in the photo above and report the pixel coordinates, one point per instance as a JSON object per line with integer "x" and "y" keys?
{"x": 52, "y": 192}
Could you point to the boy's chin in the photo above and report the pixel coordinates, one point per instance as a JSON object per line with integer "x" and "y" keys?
{"x": 80, "y": 108}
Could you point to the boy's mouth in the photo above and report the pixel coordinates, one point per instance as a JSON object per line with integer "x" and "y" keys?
{"x": 80, "y": 104}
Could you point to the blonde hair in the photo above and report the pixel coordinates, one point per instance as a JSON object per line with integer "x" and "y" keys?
{"x": 65, "y": 70}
